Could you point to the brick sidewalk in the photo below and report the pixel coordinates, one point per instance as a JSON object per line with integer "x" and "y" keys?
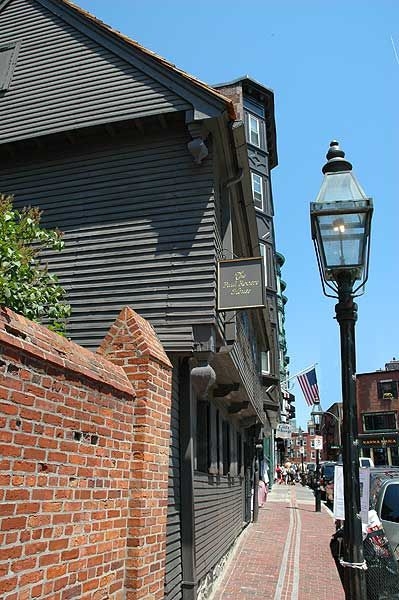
{"x": 285, "y": 555}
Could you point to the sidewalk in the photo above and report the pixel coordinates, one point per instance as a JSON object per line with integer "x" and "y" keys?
{"x": 286, "y": 554}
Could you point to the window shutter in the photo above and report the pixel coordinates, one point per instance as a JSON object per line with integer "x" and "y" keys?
{"x": 246, "y": 125}
{"x": 263, "y": 135}
{"x": 8, "y": 60}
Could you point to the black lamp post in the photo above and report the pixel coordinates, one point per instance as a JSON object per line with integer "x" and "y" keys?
{"x": 301, "y": 450}
{"x": 340, "y": 221}
{"x": 316, "y": 418}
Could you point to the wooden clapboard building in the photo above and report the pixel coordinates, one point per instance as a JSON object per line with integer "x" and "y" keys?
{"x": 145, "y": 169}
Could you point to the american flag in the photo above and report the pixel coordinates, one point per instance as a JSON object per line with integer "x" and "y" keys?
{"x": 309, "y": 387}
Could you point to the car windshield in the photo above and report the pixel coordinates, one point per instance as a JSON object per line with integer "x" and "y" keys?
{"x": 390, "y": 505}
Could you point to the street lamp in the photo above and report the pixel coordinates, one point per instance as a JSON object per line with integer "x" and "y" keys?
{"x": 321, "y": 412}
{"x": 301, "y": 451}
{"x": 316, "y": 419}
{"x": 340, "y": 222}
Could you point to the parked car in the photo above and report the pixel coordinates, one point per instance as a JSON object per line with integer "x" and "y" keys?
{"x": 384, "y": 499}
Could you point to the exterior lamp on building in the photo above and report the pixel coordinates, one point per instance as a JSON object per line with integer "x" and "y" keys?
{"x": 316, "y": 415}
{"x": 340, "y": 222}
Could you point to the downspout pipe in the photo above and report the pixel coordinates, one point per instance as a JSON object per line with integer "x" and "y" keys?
{"x": 230, "y": 182}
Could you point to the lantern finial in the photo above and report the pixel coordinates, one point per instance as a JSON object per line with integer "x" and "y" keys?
{"x": 336, "y": 160}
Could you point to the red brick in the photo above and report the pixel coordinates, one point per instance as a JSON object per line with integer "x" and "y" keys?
{"x": 11, "y": 552}
{"x": 13, "y": 523}
{"x": 56, "y": 571}
{"x": 6, "y": 585}
{"x": 31, "y": 577}
{"x": 23, "y": 565}
{"x": 10, "y": 450}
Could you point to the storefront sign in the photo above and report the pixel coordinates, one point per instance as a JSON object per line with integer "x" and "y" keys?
{"x": 283, "y": 430}
{"x": 241, "y": 284}
{"x": 380, "y": 442}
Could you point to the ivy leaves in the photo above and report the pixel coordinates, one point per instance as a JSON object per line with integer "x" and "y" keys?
{"x": 26, "y": 286}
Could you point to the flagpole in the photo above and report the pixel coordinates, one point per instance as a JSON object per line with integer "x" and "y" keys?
{"x": 299, "y": 373}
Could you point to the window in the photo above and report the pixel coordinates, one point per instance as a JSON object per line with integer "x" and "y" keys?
{"x": 379, "y": 421}
{"x": 8, "y": 59}
{"x": 226, "y": 447}
{"x": 239, "y": 453}
{"x": 262, "y": 248}
{"x": 254, "y": 130}
{"x": 257, "y": 190}
{"x": 387, "y": 389}
{"x": 313, "y": 455}
{"x": 203, "y": 437}
{"x": 312, "y": 444}
{"x": 254, "y": 107}
{"x": 265, "y": 361}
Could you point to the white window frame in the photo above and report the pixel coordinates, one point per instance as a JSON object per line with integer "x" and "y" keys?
{"x": 261, "y": 199}
{"x": 255, "y": 121}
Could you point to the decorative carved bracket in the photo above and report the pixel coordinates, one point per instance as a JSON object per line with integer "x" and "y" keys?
{"x": 203, "y": 377}
{"x": 197, "y": 146}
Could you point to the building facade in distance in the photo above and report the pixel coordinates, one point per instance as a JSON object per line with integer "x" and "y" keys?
{"x": 377, "y": 396}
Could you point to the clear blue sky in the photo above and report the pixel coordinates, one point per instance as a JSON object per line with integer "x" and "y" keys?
{"x": 335, "y": 75}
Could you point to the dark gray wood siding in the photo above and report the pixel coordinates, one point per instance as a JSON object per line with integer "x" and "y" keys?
{"x": 242, "y": 356}
{"x": 173, "y": 575}
{"x": 64, "y": 80}
{"x": 138, "y": 222}
{"x": 219, "y": 504}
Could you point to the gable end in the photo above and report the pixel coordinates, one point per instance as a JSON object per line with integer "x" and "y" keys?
{"x": 205, "y": 103}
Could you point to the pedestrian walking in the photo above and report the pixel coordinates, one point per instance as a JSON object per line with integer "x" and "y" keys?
{"x": 262, "y": 493}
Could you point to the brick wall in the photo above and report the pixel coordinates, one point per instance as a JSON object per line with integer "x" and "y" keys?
{"x": 234, "y": 93}
{"x": 367, "y": 394}
{"x": 78, "y": 437}
{"x": 132, "y": 344}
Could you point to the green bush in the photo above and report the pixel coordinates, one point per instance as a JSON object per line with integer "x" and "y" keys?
{"x": 26, "y": 286}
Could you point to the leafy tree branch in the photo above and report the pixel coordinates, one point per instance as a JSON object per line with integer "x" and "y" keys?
{"x": 26, "y": 286}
